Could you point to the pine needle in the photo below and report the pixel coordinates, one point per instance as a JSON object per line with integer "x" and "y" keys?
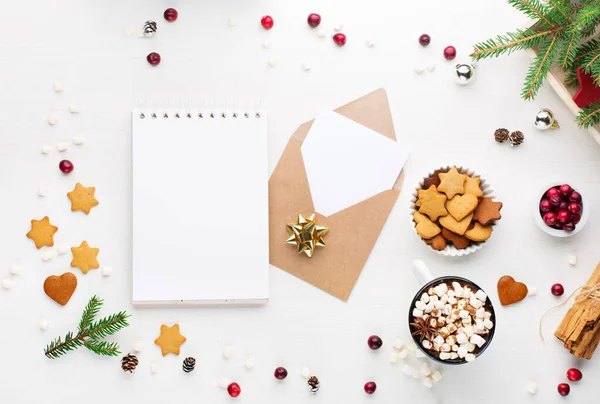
{"x": 571, "y": 80}
{"x": 539, "y": 69}
{"x": 90, "y": 312}
{"x": 534, "y": 9}
{"x": 589, "y": 116}
{"x": 512, "y": 41}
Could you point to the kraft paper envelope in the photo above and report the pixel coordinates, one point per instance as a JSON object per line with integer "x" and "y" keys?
{"x": 352, "y": 231}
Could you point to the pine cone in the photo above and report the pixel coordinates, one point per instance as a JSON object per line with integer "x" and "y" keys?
{"x": 129, "y": 363}
{"x": 501, "y": 135}
{"x": 150, "y": 28}
{"x": 314, "y": 384}
{"x": 189, "y": 364}
{"x": 516, "y": 138}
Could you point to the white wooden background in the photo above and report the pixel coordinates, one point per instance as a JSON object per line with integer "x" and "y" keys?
{"x": 81, "y": 44}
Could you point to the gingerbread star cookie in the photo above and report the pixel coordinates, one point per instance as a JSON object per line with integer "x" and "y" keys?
{"x": 432, "y": 203}
{"x": 82, "y": 198}
{"x": 42, "y": 232}
{"x": 472, "y": 186}
{"x": 425, "y": 227}
{"x": 170, "y": 339}
{"x": 487, "y": 211}
{"x": 84, "y": 257}
{"x": 452, "y": 183}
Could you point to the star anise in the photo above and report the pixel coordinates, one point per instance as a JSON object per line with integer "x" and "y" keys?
{"x": 423, "y": 329}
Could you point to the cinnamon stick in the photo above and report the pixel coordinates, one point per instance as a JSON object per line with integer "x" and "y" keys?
{"x": 580, "y": 328}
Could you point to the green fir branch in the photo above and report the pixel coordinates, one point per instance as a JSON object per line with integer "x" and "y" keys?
{"x": 569, "y": 49}
{"x": 586, "y": 50}
{"x": 591, "y": 64}
{"x": 534, "y": 9}
{"x": 512, "y": 41}
{"x": 539, "y": 69}
{"x": 90, "y": 312}
{"x": 90, "y": 334}
{"x": 587, "y": 18}
{"x": 589, "y": 116}
{"x": 571, "y": 80}
{"x": 562, "y": 7}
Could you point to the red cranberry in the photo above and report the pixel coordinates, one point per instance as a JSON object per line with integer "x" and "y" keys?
{"x": 575, "y": 197}
{"x": 574, "y": 375}
{"x": 170, "y": 14}
{"x": 65, "y": 166}
{"x": 568, "y": 226}
{"x": 550, "y": 218}
{"x": 551, "y": 192}
{"x": 564, "y": 216}
{"x": 557, "y": 289}
{"x": 153, "y": 58}
{"x": 374, "y": 342}
{"x": 564, "y": 205}
{"x": 280, "y": 373}
{"x": 565, "y": 189}
{"x": 370, "y": 387}
{"x": 545, "y": 206}
{"x": 576, "y": 218}
{"x": 449, "y": 52}
{"x": 424, "y": 40}
{"x": 267, "y": 22}
{"x": 555, "y": 200}
{"x": 558, "y": 226}
{"x": 564, "y": 389}
{"x": 314, "y": 20}
{"x": 234, "y": 389}
{"x": 339, "y": 39}
{"x": 575, "y": 208}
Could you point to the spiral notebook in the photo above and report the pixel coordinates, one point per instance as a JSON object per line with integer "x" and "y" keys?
{"x": 200, "y": 207}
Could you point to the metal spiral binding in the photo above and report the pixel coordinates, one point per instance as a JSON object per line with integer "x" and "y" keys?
{"x": 190, "y": 111}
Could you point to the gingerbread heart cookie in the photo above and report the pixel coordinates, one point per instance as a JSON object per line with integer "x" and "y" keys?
{"x": 456, "y": 226}
{"x": 60, "y": 288}
{"x": 425, "y": 227}
{"x": 461, "y": 205}
{"x": 511, "y": 291}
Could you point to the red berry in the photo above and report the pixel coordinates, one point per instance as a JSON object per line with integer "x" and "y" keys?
{"x": 564, "y": 216}
{"x": 424, "y": 40}
{"x": 314, "y": 20}
{"x": 557, "y": 289}
{"x": 575, "y": 208}
{"x": 564, "y": 389}
{"x": 568, "y": 226}
{"x": 280, "y": 373}
{"x": 170, "y": 14}
{"x": 449, "y": 52}
{"x": 564, "y": 205}
{"x": 550, "y": 218}
{"x": 565, "y": 189}
{"x": 575, "y": 219}
{"x": 65, "y": 166}
{"x": 574, "y": 375}
{"x": 555, "y": 200}
{"x": 374, "y": 342}
{"x": 153, "y": 58}
{"x": 551, "y": 192}
{"x": 267, "y": 22}
{"x": 545, "y": 206}
{"x": 575, "y": 197}
{"x": 339, "y": 39}
{"x": 370, "y": 387}
{"x": 234, "y": 389}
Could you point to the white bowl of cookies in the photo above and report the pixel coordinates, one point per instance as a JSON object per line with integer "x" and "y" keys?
{"x": 454, "y": 211}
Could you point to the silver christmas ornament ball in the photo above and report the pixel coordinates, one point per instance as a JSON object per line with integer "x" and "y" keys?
{"x": 544, "y": 119}
{"x": 464, "y": 73}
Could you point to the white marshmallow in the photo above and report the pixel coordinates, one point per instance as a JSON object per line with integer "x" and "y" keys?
{"x": 370, "y": 43}
{"x": 63, "y": 249}
{"x": 532, "y": 388}
{"x": 425, "y": 298}
{"x": 444, "y": 298}
{"x": 427, "y": 344}
{"x": 451, "y": 293}
{"x": 415, "y": 374}
{"x": 224, "y": 382}
{"x": 106, "y": 271}
{"x": 272, "y": 62}
{"x": 462, "y": 338}
{"x": 407, "y": 370}
{"x": 427, "y": 383}
{"x": 462, "y": 303}
{"x": 393, "y": 357}
{"x": 438, "y": 341}
{"x": 42, "y": 192}
{"x": 531, "y": 291}
{"x": 47, "y": 255}
{"x": 488, "y": 324}
{"x": 266, "y": 44}
{"x": 458, "y": 290}
{"x": 420, "y": 305}
{"x": 439, "y": 305}
{"x": 138, "y": 347}
{"x": 433, "y": 322}
{"x": 464, "y": 314}
{"x": 52, "y": 119}
{"x": 471, "y": 347}
{"x": 44, "y": 324}
{"x": 403, "y": 354}
{"x": 572, "y": 260}
{"x": 468, "y": 330}
{"x": 455, "y": 348}
{"x": 228, "y": 352}
{"x": 479, "y": 325}
{"x": 447, "y": 310}
{"x": 475, "y": 302}
{"x": 412, "y": 347}
{"x": 417, "y": 313}
{"x": 78, "y": 140}
{"x": 436, "y": 376}
{"x": 445, "y": 356}
{"x": 58, "y": 87}
{"x": 398, "y": 344}
{"x": 441, "y": 289}
{"x": 306, "y": 66}
{"x": 470, "y": 357}
{"x": 451, "y": 340}
{"x": 232, "y": 21}
{"x": 480, "y": 313}
{"x": 453, "y": 355}
{"x": 74, "y": 109}
{"x": 249, "y": 363}
{"x": 16, "y": 270}
{"x": 467, "y": 293}
{"x": 305, "y": 373}
{"x": 452, "y": 300}
{"x": 446, "y": 348}
{"x": 481, "y": 296}
{"x": 46, "y": 149}
{"x": 153, "y": 368}
{"x": 429, "y": 307}
{"x": 425, "y": 370}
{"x": 431, "y": 67}
{"x": 7, "y": 284}
{"x": 321, "y": 32}
{"x": 488, "y": 314}
{"x": 477, "y": 340}
{"x": 62, "y": 146}
{"x": 462, "y": 352}
{"x": 338, "y": 27}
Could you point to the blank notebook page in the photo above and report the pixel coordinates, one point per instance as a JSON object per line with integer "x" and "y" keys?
{"x": 200, "y": 208}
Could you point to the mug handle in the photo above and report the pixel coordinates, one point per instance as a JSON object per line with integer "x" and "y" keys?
{"x": 421, "y": 272}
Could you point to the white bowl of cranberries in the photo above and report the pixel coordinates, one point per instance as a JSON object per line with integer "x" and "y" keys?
{"x": 561, "y": 210}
